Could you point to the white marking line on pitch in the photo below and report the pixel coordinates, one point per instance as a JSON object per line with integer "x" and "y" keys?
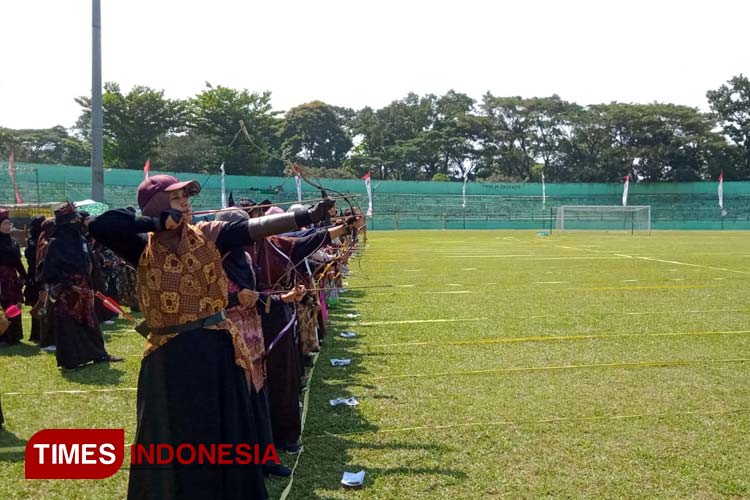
{"x": 71, "y": 391}
{"x": 530, "y": 257}
{"x": 678, "y": 263}
{"x": 454, "y": 291}
{"x": 549, "y": 282}
{"x": 625, "y": 365}
{"x": 413, "y": 321}
{"x": 684, "y": 264}
{"x": 469, "y": 269}
{"x": 559, "y": 338}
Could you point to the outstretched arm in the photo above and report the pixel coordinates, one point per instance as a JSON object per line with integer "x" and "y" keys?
{"x": 123, "y": 232}
{"x": 244, "y": 233}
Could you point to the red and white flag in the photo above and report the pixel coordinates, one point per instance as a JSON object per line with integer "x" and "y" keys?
{"x": 147, "y": 169}
{"x": 721, "y": 190}
{"x": 366, "y": 178}
{"x": 625, "y": 191}
{"x": 12, "y": 172}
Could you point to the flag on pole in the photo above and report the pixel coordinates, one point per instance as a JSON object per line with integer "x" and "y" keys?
{"x": 625, "y": 191}
{"x": 721, "y": 190}
{"x": 12, "y": 172}
{"x": 223, "y": 190}
{"x": 147, "y": 169}
{"x": 466, "y": 178}
{"x": 298, "y": 182}
{"x": 544, "y": 191}
{"x": 366, "y": 178}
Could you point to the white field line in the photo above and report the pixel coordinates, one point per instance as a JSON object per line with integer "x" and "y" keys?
{"x": 416, "y": 321}
{"x": 71, "y": 391}
{"x": 675, "y": 262}
{"x": 558, "y": 315}
{"x": 532, "y": 257}
{"x": 556, "y": 338}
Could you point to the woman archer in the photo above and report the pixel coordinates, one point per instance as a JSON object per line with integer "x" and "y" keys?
{"x": 192, "y": 387}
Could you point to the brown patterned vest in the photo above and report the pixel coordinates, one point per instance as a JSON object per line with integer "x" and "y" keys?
{"x": 186, "y": 285}
{"x": 182, "y": 286}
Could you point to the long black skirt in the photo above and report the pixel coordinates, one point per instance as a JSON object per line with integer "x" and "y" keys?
{"x": 262, "y": 410}
{"x": 190, "y": 391}
{"x": 283, "y": 375}
{"x": 2, "y": 419}
{"x": 77, "y": 343}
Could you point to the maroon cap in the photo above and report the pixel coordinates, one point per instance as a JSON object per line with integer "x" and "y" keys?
{"x": 163, "y": 183}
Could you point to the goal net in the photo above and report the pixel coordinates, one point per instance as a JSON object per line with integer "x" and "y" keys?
{"x": 603, "y": 218}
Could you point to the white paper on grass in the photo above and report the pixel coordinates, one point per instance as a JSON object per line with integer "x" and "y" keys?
{"x": 341, "y": 362}
{"x": 351, "y": 315}
{"x": 353, "y": 478}
{"x": 352, "y": 401}
{"x": 347, "y": 335}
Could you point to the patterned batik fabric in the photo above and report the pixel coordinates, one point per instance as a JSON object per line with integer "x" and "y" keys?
{"x": 77, "y": 301}
{"x": 247, "y": 321}
{"x": 307, "y": 317}
{"x": 180, "y": 286}
{"x": 184, "y": 285}
{"x": 128, "y": 290}
{"x": 11, "y": 286}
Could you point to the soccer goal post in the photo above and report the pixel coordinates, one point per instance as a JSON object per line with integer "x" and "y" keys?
{"x": 603, "y": 218}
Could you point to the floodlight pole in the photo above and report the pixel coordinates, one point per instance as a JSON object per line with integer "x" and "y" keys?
{"x": 97, "y": 113}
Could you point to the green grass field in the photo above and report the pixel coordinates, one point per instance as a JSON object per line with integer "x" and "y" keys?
{"x": 488, "y": 364}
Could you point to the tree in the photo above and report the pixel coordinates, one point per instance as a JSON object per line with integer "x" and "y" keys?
{"x": 506, "y": 137}
{"x": 417, "y": 137}
{"x": 185, "y": 152}
{"x": 133, "y": 123}
{"x": 390, "y": 143}
{"x": 215, "y": 115}
{"x": 54, "y": 145}
{"x": 651, "y": 142}
{"x": 551, "y": 122}
{"x": 314, "y": 134}
{"x": 731, "y": 104}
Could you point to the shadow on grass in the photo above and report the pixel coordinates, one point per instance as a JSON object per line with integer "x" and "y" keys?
{"x": 328, "y": 453}
{"x": 120, "y": 328}
{"x": 96, "y": 374}
{"x": 20, "y": 349}
{"x": 11, "y": 446}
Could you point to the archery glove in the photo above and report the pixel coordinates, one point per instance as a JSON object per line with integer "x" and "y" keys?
{"x": 170, "y": 219}
{"x": 320, "y": 211}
